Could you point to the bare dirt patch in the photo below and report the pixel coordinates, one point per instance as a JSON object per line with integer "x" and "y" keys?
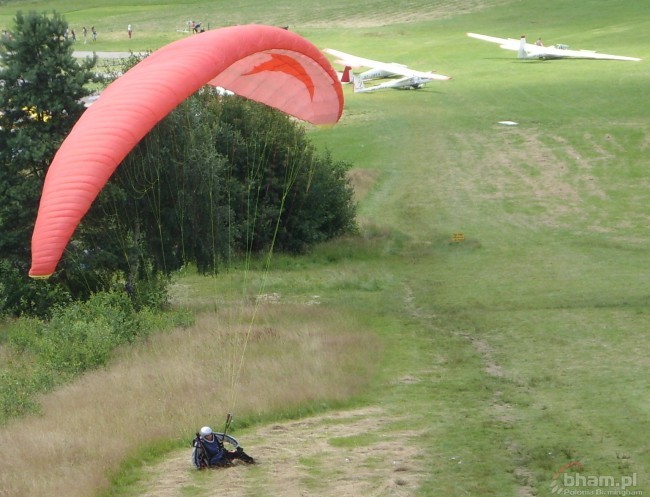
{"x": 362, "y": 181}
{"x": 343, "y": 453}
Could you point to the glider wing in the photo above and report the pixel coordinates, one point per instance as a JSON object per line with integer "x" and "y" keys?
{"x": 531, "y": 51}
{"x": 389, "y": 67}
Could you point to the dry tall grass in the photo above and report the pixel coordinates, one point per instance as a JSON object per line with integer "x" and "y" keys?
{"x": 177, "y": 382}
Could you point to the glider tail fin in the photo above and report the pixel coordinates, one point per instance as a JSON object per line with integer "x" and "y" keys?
{"x": 522, "y": 54}
{"x": 345, "y": 78}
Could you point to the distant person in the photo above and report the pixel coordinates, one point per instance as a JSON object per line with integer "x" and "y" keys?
{"x": 209, "y": 452}
{"x": 539, "y": 42}
{"x": 74, "y": 35}
{"x": 85, "y": 33}
{"x": 94, "y": 32}
{"x": 129, "y": 29}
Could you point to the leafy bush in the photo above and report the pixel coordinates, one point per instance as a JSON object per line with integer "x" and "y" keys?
{"x": 20, "y": 294}
{"x": 78, "y": 337}
{"x": 217, "y": 178}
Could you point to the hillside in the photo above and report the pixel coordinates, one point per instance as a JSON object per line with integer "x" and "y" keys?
{"x": 404, "y": 361}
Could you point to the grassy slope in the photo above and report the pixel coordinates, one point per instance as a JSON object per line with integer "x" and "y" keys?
{"x": 527, "y": 341}
{"x": 552, "y": 287}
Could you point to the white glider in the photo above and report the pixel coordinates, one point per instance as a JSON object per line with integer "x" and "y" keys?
{"x": 410, "y": 78}
{"x": 405, "y": 83}
{"x": 533, "y": 51}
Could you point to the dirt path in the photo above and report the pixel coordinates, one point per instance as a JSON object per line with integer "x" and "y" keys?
{"x": 344, "y": 453}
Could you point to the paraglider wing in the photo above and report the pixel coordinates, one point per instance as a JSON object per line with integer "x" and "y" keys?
{"x": 263, "y": 63}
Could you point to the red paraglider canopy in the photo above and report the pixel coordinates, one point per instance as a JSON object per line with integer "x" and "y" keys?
{"x": 263, "y": 63}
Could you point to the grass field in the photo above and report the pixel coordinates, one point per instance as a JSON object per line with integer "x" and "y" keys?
{"x": 499, "y": 359}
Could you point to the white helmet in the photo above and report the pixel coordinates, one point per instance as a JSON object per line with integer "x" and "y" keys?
{"x": 205, "y": 431}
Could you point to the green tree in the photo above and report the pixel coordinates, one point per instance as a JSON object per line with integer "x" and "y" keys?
{"x": 41, "y": 86}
